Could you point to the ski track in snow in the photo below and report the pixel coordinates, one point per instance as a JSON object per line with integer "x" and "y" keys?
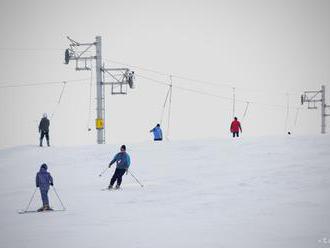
{"x": 258, "y": 192}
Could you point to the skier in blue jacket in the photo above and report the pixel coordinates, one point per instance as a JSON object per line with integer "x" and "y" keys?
{"x": 157, "y": 131}
{"x": 43, "y": 181}
{"x": 123, "y": 161}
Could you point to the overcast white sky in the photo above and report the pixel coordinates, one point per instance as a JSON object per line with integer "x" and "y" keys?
{"x": 264, "y": 49}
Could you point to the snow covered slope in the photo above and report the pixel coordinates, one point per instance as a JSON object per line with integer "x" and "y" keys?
{"x": 262, "y": 192}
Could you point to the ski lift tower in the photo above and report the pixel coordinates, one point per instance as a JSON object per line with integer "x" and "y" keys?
{"x": 312, "y": 97}
{"x": 118, "y": 78}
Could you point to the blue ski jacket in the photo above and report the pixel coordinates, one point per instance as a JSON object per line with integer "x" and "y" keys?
{"x": 157, "y": 131}
{"x": 122, "y": 159}
{"x": 43, "y": 178}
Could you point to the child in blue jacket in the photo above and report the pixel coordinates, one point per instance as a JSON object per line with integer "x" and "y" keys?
{"x": 158, "y": 134}
{"x": 43, "y": 181}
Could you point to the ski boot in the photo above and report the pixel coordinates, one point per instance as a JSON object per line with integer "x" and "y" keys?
{"x": 41, "y": 209}
{"x": 47, "y": 208}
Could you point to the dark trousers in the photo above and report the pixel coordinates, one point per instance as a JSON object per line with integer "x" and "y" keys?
{"x": 117, "y": 176}
{"x": 42, "y": 135}
{"x": 235, "y": 133}
{"x": 44, "y": 196}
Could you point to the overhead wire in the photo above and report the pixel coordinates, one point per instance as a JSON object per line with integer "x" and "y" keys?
{"x": 164, "y": 106}
{"x": 59, "y": 100}
{"x": 287, "y": 107}
{"x": 169, "y": 109}
{"x": 138, "y": 67}
{"x": 90, "y": 100}
{"x": 182, "y": 88}
{"x": 217, "y": 84}
{"x": 160, "y": 82}
{"x": 20, "y": 84}
{"x": 29, "y": 49}
{"x": 171, "y": 74}
{"x": 16, "y": 85}
{"x": 208, "y": 93}
{"x": 245, "y": 111}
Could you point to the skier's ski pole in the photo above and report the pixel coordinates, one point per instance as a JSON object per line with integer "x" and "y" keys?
{"x": 58, "y": 197}
{"x": 135, "y": 178}
{"x": 27, "y": 207}
{"x": 103, "y": 171}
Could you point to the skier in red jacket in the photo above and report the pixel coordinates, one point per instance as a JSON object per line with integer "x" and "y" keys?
{"x": 235, "y": 127}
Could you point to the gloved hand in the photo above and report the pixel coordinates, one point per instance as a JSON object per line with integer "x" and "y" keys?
{"x": 126, "y": 171}
{"x": 109, "y": 165}
{"x": 52, "y": 184}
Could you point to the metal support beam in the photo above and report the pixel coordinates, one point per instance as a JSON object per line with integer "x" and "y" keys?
{"x": 99, "y": 92}
{"x": 119, "y": 77}
{"x": 323, "y": 106}
{"x": 310, "y": 98}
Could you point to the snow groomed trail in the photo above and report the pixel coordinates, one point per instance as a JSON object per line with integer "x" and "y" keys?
{"x": 256, "y": 192}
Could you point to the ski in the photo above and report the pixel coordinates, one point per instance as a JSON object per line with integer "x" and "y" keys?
{"x": 113, "y": 189}
{"x": 36, "y": 211}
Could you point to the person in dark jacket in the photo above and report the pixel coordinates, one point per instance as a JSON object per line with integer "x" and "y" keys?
{"x": 44, "y": 129}
{"x": 157, "y": 131}
{"x": 122, "y": 161}
{"x": 43, "y": 181}
{"x": 235, "y": 127}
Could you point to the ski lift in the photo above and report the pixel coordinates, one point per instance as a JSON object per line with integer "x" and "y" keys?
{"x": 74, "y": 53}
{"x": 85, "y": 67}
{"x": 312, "y": 105}
{"x": 119, "y": 79}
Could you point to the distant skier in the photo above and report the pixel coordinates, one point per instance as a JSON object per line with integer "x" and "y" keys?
{"x": 44, "y": 129}
{"x": 158, "y": 134}
{"x": 235, "y": 127}
{"x": 43, "y": 181}
{"x": 123, "y": 161}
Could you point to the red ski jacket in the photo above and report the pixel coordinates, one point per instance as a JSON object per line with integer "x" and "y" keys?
{"x": 235, "y": 127}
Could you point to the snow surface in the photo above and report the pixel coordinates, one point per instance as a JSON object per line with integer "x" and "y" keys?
{"x": 256, "y": 192}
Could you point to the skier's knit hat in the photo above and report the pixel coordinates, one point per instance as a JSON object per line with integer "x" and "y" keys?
{"x": 44, "y": 166}
{"x": 123, "y": 147}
